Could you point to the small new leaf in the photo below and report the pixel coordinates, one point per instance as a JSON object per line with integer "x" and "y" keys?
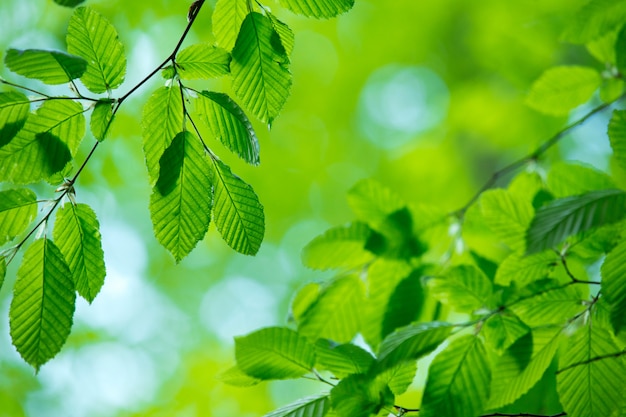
{"x": 51, "y": 67}
{"x": 339, "y": 247}
{"x": 18, "y": 208}
{"x": 101, "y": 119}
{"x": 14, "y": 109}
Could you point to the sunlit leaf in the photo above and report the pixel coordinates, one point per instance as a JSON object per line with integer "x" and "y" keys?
{"x": 303, "y": 299}
{"x": 314, "y": 406}
{"x": 14, "y": 108}
{"x": 229, "y": 124}
{"x": 360, "y": 396}
{"x": 69, "y": 3}
{"x": 261, "y": 78}
{"x": 595, "y": 19}
{"x": 227, "y": 19}
{"x": 502, "y": 330}
{"x": 287, "y": 38}
{"x": 617, "y": 136}
{"x": 3, "y": 270}
{"x": 77, "y": 235}
{"x": 17, "y": 209}
{"x": 236, "y": 377}
{"x": 92, "y": 37}
{"x": 43, "y": 303}
{"x": 614, "y": 285}
{"x": 560, "y": 89}
{"x": 372, "y": 202}
{"x": 589, "y": 387}
{"x": 564, "y": 217}
{"x": 101, "y": 119}
{"x": 342, "y": 360}
{"x": 339, "y": 247}
{"x": 458, "y": 380}
{"x": 318, "y": 8}
{"x": 336, "y": 314}
{"x": 507, "y": 215}
{"x": 51, "y": 67}
{"x": 202, "y": 61}
{"x": 162, "y": 120}
{"x": 398, "y": 377}
{"x": 524, "y": 269}
{"x": 611, "y": 89}
{"x": 465, "y": 288}
{"x": 553, "y": 306}
{"x": 274, "y": 353}
{"x": 566, "y": 179}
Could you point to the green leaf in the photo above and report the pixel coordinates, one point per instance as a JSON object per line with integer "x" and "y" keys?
{"x": 458, "y": 380}
{"x": 360, "y": 396}
{"x": 522, "y": 365}
{"x": 313, "y": 406}
{"x": 180, "y": 204}
{"x": 162, "y": 120}
{"x": 303, "y": 300}
{"x": 14, "y": 109}
{"x": 567, "y": 179}
{"x": 620, "y": 50}
{"x": 261, "y": 78}
{"x": 77, "y": 235}
{"x": 227, "y": 19}
{"x": 611, "y": 89}
{"x": 372, "y": 202}
{"x": 238, "y": 214}
{"x": 465, "y": 288}
{"x": 614, "y": 285}
{"x": 525, "y": 269}
{"x": 595, "y": 19}
{"x": 274, "y": 353}
{"x": 318, "y": 8}
{"x": 617, "y": 136}
{"x": 69, "y": 3}
{"x": 554, "y": 306}
{"x": 399, "y": 377}
{"x": 411, "y": 343}
{"x": 229, "y": 124}
{"x": 92, "y": 37}
{"x": 404, "y": 305}
{"x": 18, "y": 208}
{"x": 396, "y": 239}
{"x": 101, "y": 119}
{"x": 588, "y": 386}
{"x": 3, "y": 270}
{"x": 342, "y": 360}
{"x": 560, "y": 89}
{"x": 45, "y": 145}
{"x": 502, "y": 330}
{"x": 236, "y": 377}
{"x": 51, "y": 67}
{"x": 339, "y": 247}
{"x": 202, "y": 61}
{"x": 43, "y": 304}
{"x": 287, "y": 38}
{"x": 507, "y": 215}
{"x": 336, "y": 314}
{"x": 568, "y": 216}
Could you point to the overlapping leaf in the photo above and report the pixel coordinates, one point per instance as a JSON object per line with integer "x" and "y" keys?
{"x": 465, "y": 288}
{"x": 227, "y": 19}
{"x": 180, "y": 204}
{"x": 77, "y": 235}
{"x": 101, "y": 119}
{"x": 14, "y": 108}
{"x": 287, "y": 38}
{"x": 372, "y": 202}
{"x": 18, "y": 208}
{"x": 3, "y": 270}
{"x": 51, "y": 67}
{"x": 339, "y": 247}
{"x": 614, "y": 285}
{"x": 595, "y": 19}
{"x": 314, "y": 406}
{"x": 617, "y": 136}
{"x": 43, "y": 303}
{"x": 236, "y": 377}
{"x": 229, "y": 124}
{"x": 360, "y": 396}
{"x": 91, "y": 36}
{"x": 69, "y": 3}
{"x": 502, "y": 330}
{"x": 567, "y": 179}
{"x": 507, "y": 215}
{"x": 398, "y": 377}
{"x": 525, "y": 269}
{"x": 404, "y": 304}
{"x": 202, "y": 61}
{"x": 318, "y": 8}
{"x": 553, "y": 306}
{"x": 261, "y": 78}
{"x": 342, "y": 360}
{"x": 238, "y": 214}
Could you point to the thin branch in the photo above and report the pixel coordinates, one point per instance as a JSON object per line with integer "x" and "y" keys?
{"x": 321, "y": 378}
{"x": 3, "y": 81}
{"x": 571, "y": 275}
{"x": 594, "y": 359}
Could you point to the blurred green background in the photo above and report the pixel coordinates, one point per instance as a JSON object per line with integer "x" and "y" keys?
{"x": 425, "y": 96}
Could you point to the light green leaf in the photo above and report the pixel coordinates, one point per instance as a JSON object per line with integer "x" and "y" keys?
{"x": 568, "y": 216}
{"x": 507, "y": 215}
{"x": 51, "y": 67}
{"x": 45, "y": 145}
{"x": 458, "y": 380}
{"x": 522, "y": 365}
{"x": 77, "y": 235}
{"x": 261, "y": 78}
{"x": 303, "y": 299}
{"x": 614, "y": 285}
{"x": 274, "y": 353}
{"x": 589, "y": 387}
{"x": 287, "y": 38}
{"x": 360, "y": 396}
{"x": 465, "y": 288}
{"x": 180, "y": 204}
{"x": 69, "y": 3}
{"x": 339, "y": 247}
{"x": 411, "y": 343}
{"x": 101, "y": 119}
{"x": 92, "y": 37}
{"x": 399, "y": 377}
{"x": 342, "y": 360}
{"x": 227, "y": 19}
{"x": 238, "y": 214}
{"x": 372, "y": 202}
{"x": 560, "y": 89}
{"x": 554, "y": 306}
{"x": 337, "y": 312}
{"x": 314, "y": 406}
{"x": 43, "y": 303}
{"x": 567, "y": 179}
{"x": 611, "y": 89}
{"x": 603, "y": 48}
{"x": 318, "y": 8}
{"x": 14, "y": 108}
{"x": 162, "y": 120}
{"x": 237, "y": 378}
{"x": 525, "y": 269}
{"x": 202, "y": 61}
{"x": 3, "y": 270}
{"x": 18, "y": 209}
{"x": 229, "y": 124}
{"x": 502, "y": 330}
{"x": 617, "y": 136}
{"x": 595, "y": 19}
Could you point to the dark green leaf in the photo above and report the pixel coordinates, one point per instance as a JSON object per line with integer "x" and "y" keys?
{"x": 261, "y": 78}
{"x": 465, "y": 288}
{"x": 92, "y": 37}
{"x": 51, "y": 67}
{"x": 342, "y": 360}
{"x": 318, "y": 8}
{"x": 77, "y": 235}
{"x": 14, "y": 108}
{"x": 287, "y": 38}
{"x": 405, "y": 304}
{"x": 595, "y": 19}
{"x": 339, "y": 247}
{"x": 227, "y": 19}
{"x": 314, "y": 406}
{"x": 360, "y": 396}
{"x": 564, "y": 217}
{"x": 554, "y": 306}
{"x": 229, "y": 124}
{"x": 43, "y": 303}
{"x": 614, "y": 285}
{"x": 101, "y": 119}
{"x": 372, "y": 202}
{"x": 17, "y": 209}
{"x": 617, "y": 136}
{"x": 202, "y": 61}
{"x": 274, "y": 353}
{"x": 238, "y": 214}
{"x": 69, "y": 3}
